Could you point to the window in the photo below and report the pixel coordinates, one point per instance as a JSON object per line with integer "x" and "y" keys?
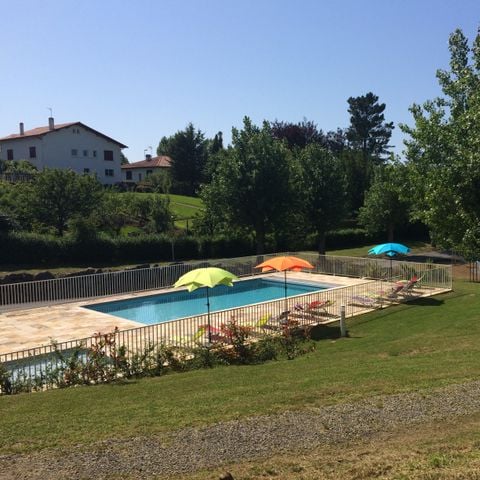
{"x": 74, "y": 152}
{"x": 108, "y": 155}
{"x": 33, "y": 152}
{"x": 139, "y": 177}
{"x": 94, "y": 153}
{"x": 109, "y": 172}
{"x": 128, "y": 174}
{"x": 149, "y": 172}
{"x": 10, "y": 154}
{"x": 85, "y": 153}
{"x": 86, "y": 170}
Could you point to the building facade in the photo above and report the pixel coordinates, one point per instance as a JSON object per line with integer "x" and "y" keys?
{"x": 138, "y": 171}
{"x": 74, "y": 146}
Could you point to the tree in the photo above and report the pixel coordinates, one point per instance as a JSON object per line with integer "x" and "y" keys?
{"x": 250, "y": 188}
{"x": 368, "y": 130}
{"x": 385, "y": 208}
{"x": 443, "y": 151}
{"x": 297, "y": 135}
{"x": 188, "y": 150}
{"x": 322, "y": 185}
{"x": 59, "y": 195}
{"x": 123, "y": 159}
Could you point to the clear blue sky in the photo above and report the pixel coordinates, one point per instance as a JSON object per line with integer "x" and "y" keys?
{"x": 138, "y": 70}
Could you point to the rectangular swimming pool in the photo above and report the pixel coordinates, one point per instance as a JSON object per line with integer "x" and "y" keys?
{"x": 179, "y": 304}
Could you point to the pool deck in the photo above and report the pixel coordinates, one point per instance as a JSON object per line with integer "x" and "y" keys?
{"x": 35, "y": 327}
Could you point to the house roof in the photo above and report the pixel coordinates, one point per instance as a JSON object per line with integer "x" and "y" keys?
{"x": 40, "y": 131}
{"x": 155, "y": 162}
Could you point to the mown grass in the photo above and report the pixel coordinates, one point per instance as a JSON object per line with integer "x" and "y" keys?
{"x": 183, "y": 208}
{"x": 425, "y": 344}
{"x": 416, "y": 247}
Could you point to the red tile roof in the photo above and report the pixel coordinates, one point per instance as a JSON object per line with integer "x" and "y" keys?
{"x": 38, "y": 132}
{"x": 154, "y": 162}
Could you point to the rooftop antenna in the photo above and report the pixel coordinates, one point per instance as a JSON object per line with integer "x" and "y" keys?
{"x": 151, "y": 150}
{"x": 51, "y": 111}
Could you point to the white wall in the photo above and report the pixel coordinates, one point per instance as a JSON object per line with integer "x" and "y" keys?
{"x": 139, "y": 174}
{"x": 54, "y": 150}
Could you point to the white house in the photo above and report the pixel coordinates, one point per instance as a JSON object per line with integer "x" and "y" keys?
{"x": 75, "y": 146}
{"x": 138, "y": 171}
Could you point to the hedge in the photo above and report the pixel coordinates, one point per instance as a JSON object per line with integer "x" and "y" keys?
{"x": 29, "y": 249}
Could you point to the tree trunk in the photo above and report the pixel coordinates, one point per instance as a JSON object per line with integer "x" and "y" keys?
{"x": 321, "y": 243}
{"x": 390, "y": 232}
{"x": 260, "y": 238}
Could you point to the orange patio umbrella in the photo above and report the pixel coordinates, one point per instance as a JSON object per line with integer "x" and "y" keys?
{"x": 284, "y": 263}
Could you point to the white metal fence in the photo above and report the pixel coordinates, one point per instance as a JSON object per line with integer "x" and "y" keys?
{"x": 25, "y": 294}
{"x": 374, "y": 292}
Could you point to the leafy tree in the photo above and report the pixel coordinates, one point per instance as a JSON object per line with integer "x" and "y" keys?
{"x": 385, "y": 207}
{"x": 158, "y": 182}
{"x": 322, "y": 187}
{"x": 216, "y": 145}
{"x": 368, "y": 130}
{"x": 188, "y": 150}
{"x": 443, "y": 151}
{"x": 57, "y": 196}
{"x": 17, "y": 166}
{"x": 356, "y": 182}
{"x": 250, "y": 188}
{"x": 123, "y": 159}
{"x": 159, "y": 214}
{"x": 297, "y": 135}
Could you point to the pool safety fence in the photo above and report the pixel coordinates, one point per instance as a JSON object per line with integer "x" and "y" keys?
{"x": 59, "y": 290}
{"x": 319, "y": 307}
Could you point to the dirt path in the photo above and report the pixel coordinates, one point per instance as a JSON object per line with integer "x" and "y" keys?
{"x": 189, "y": 450}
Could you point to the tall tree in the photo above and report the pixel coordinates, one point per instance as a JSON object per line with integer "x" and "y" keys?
{"x": 297, "y": 135}
{"x": 59, "y": 195}
{"x": 385, "y": 206}
{"x": 188, "y": 150}
{"x": 368, "y": 130}
{"x": 250, "y": 188}
{"x": 443, "y": 151}
{"x": 323, "y": 191}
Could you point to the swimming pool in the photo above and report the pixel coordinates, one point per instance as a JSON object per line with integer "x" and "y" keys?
{"x": 179, "y": 304}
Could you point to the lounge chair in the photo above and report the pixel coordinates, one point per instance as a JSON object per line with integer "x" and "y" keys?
{"x": 276, "y": 323}
{"x": 370, "y": 301}
{"x": 409, "y": 285}
{"x": 315, "y": 308}
{"x": 213, "y": 334}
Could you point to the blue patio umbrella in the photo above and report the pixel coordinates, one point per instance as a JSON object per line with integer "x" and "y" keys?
{"x": 389, "y": 249}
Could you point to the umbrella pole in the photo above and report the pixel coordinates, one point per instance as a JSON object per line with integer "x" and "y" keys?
{"x": 208, "y": 319}
{"x": 286, "y": 302}
{"x": 391, "y": 271}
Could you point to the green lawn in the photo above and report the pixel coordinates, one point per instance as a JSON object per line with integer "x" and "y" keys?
{"x": 425, "y": 344}
{"x": 181, "y": 206}
{"x": 416, "y": 247}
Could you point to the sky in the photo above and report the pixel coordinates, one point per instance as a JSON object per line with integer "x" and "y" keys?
{"x": 140, "y": 70}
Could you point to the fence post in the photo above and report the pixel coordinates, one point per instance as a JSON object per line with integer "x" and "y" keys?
{"x": 343, "y": 329}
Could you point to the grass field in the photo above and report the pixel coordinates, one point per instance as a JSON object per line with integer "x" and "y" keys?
{"x": 425, "y": 344}
{"x": 182, "y": 207}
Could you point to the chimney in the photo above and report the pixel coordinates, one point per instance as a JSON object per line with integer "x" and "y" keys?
{"x": 51, "y": 123}
{"x": 148, "y": 157}
{"x": 22, "y": 130}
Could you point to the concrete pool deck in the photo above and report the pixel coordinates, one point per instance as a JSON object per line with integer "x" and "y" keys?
{"x": 35, "y": 327}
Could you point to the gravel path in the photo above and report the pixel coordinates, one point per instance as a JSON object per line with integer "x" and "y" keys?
{"x": 191, "y": 449}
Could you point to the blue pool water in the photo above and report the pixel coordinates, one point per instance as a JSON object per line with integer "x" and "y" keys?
{"x": 179, "y": 304}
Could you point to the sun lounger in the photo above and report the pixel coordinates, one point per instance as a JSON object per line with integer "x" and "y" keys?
{"x": 278, "y": 322}
{"x": 366, "y": 301}
{"x": 317, "y": 307}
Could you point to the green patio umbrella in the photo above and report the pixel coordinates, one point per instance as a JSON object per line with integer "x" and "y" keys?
{"x": 208, "y": 277}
